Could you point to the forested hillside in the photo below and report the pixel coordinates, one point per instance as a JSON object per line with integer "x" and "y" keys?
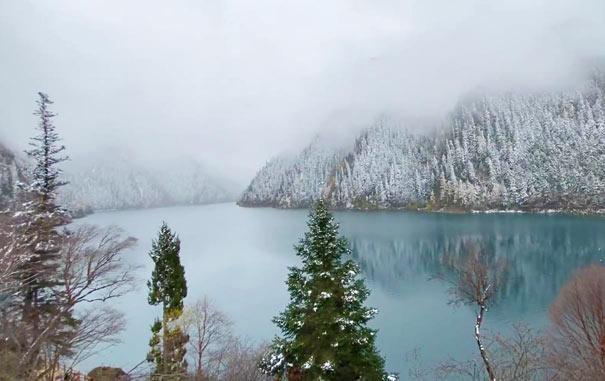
{"x": 113, "y": 185}
{"x": 288, "y": 181}
{"x": 11, "y": 174}
{"x": 541, "y": 151}
{"x": 105, "y": 183}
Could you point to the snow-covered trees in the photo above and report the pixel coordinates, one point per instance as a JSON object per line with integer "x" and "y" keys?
{"x": 168, "y": 288}
{"x": 294, "y": 182}
{"x": 324, "y": 326}
{"x": 38, "y": 237}
{"x": 537, "y": 151}
{"x": 47, "y": 271}
{"x": 389, "y": 167}
{"x": 12, "y": 173}
{"x": 100, "y": 183}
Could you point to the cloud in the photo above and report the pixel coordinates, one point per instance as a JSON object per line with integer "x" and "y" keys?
{"x": 234, "y": 82}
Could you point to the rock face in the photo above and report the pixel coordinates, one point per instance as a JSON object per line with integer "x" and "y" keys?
{"x": 535, "y": 152}
{"x": 105, "y": 373}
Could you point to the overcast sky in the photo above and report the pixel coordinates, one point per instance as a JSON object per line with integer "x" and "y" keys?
{"x": 235, "y": 82}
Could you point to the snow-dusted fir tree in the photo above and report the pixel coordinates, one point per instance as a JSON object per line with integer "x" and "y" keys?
{"x": 325, "y": 336}
{"x": 38, "y": 237}
{"x": 168, "y": 288}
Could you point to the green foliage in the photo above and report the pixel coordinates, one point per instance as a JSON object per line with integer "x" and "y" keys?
{"x": 45, "y": 150}
{"x": 39, "y": 234}
{"x": 175, "y": 341}
{"x": 155, "y": 344}
{"x": 324, "y": 326}
{"x": 167, "y": 287}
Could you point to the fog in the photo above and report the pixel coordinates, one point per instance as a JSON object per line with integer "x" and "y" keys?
{"x": 232, "y": 83}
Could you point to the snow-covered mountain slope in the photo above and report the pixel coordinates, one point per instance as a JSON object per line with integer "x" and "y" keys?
{"x": 296, "y": 181}
{"x": 512, "y": 151}
{"x": 100, "y": 183}
{"x": 11, "y": 173}
{"x": 114, "y": 185}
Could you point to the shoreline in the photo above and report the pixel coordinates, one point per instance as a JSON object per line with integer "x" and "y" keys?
{"x": 454, "y": 210}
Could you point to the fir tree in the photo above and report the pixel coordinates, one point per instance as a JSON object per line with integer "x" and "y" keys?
{"x": 168, "y": 288}
{"x": 46, "y": 147}
{"x": 325, "y": 336}
{"x": 38, "y": 239}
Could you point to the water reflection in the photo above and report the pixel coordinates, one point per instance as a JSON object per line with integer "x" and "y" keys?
{"x": 398, "y": 253}
{"x": 239, "y": 256}
{"x": 538, "y": 259}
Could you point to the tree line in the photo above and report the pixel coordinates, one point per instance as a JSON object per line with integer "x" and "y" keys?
{"x": 57, "y": 280}
{"x": 532, "y": 152}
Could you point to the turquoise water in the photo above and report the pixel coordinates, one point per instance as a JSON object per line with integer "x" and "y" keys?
{"x": 239, "y": 257}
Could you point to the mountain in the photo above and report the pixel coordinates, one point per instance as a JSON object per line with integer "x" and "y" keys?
{"x": 534, "y": 152}
{"x": 12, "y": 172}
{"x": 288, "y": 181}
{"x": 112, "y": 184}
{"x": 101, "y": 183}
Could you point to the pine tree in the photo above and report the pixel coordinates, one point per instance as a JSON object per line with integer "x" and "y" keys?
{"x": 324, "y": 326}
{"x": 38, "y": 239}
{"x": 167, "y": 287}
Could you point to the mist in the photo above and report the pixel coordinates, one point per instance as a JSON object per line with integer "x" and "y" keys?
{"x": 232, "y": 83}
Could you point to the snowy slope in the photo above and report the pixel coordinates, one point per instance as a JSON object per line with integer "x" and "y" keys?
{"x": 540, "y": 151}
{"x": 294, "y": 181}
{"x": 100, "y": 183}
{"x": 11, "y": 173}
{"x": 113, "y": 185}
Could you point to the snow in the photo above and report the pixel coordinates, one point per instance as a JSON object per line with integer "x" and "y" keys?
{"x": 500, "y": 153}
{"x": 325, "y": 295}
{"x": 308, "y": 364}
{"x": 327, "y": 366}
{"x": 107, "y": 185}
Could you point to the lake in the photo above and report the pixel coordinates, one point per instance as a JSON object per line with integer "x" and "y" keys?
{"x": 239, "y": 258}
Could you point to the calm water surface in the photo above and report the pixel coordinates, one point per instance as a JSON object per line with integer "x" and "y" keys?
{"x": 239, "y": 257}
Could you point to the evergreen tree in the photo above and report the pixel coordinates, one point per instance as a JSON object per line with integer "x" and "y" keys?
{"x": 324, "y": 326}
{"x": 168, "y": 288}
{"x": 38, "y": 239}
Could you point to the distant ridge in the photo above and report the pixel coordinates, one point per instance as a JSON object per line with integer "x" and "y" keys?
{"x": 527, "y": 152}
{"x": 102, "y": 184}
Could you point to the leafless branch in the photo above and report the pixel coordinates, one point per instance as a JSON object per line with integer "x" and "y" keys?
{"x": 577, "y": 332}
{"x": 474, "y": 279}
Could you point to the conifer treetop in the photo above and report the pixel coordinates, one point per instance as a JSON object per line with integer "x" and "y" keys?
{"x": 168, "y": 285}
{"x": 45, "y": 151}
{"x": 324, "y": 326}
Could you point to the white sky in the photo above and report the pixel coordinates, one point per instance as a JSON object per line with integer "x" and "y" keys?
{"x": 232, "y": 83}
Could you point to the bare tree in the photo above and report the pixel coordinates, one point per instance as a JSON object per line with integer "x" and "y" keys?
{"x": 474, "y": 279}
{"x": 577, "y": 332}
{"x": 98, "y": 330}
{"x": 210, "y": 334}
{"x": 11, "y": 260}
{"x": 241, "y": 361}
{"x": 92, "y": 270}
{"x": 518, "y": 356}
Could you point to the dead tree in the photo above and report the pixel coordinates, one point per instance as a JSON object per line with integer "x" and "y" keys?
{"x": 209, "y": 331}
{"x": 92, "y": 270}
{"x": 577, "y": 333}
{"x": 474, "y": 279}
{"x": 517, "y": 356}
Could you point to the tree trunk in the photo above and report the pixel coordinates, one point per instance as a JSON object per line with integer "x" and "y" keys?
{"x": 490, "y": 371}
{"x": 164, "y": 369}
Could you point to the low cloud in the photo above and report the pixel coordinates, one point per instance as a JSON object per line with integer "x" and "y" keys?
{"x": 232, "y": 83}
